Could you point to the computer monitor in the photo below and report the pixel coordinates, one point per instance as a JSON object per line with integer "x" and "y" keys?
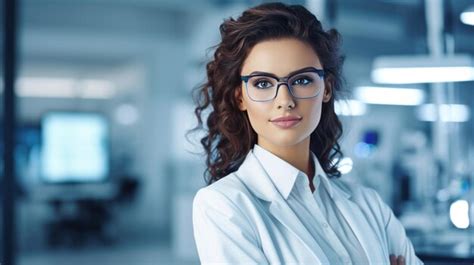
{"x": 74, "y": 147}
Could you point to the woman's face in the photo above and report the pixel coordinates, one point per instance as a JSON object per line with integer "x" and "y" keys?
{"x": 282, "y": 57}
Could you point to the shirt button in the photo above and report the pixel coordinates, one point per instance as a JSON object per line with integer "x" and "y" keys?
{"x": 325, "y": 225}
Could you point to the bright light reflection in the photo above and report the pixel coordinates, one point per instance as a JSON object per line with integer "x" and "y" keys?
{"x": 345, "y": 165}
{"x": 459, "y": 214}
{"x": 350, "y": 108}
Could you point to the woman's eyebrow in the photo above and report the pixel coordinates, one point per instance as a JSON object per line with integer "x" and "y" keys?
{"x": 291, "y": 73}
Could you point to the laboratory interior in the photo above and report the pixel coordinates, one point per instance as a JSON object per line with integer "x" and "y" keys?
{"x": 97, "y": 166}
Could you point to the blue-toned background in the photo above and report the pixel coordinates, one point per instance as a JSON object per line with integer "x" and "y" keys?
{"x": 104, "y": 88}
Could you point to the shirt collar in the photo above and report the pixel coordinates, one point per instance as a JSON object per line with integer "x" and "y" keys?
{"x": 284, "y": 175}
{"x": 321, "y": 177}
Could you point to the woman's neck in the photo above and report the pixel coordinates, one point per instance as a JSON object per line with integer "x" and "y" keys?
{"x": 297, "y": 155}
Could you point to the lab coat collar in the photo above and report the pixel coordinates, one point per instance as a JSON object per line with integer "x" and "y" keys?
{"x": 260, "y": 184}
{"x": 253, "y": 175}
{"x": 259, "y": 180}
{"x": 325, "y": 180}
{"x": 282, "y": 173}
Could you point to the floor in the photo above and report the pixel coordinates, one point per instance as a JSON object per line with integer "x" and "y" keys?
{"x": 142, "y": 254}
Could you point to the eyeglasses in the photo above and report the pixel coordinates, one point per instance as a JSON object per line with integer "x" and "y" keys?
{"x": 304, "y": 83}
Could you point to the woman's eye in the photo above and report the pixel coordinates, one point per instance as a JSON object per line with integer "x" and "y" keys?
{"x": 262, "y": 84}
{"x": 302, "y": 81}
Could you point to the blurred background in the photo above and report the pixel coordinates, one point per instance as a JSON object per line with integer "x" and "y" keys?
{"x": 102, "y": 101}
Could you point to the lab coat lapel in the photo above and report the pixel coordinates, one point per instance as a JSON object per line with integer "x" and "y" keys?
{"x": 257, "y": 180}
{"x": 281, "y": 211}
{"x": 357, "y": 221}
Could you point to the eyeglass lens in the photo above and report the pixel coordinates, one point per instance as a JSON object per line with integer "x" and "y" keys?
{"x": 302, "y": 85}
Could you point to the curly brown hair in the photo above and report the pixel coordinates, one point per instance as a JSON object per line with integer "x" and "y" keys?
{"x": 229, "y": 135}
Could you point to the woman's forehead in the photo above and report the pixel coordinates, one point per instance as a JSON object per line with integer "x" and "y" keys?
{"x": 280, "y": 57}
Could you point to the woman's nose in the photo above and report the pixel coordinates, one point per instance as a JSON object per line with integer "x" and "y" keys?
{"x": 284, "y": 99}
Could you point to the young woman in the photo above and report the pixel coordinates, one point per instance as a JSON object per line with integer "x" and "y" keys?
{"x": 275, "y": 195}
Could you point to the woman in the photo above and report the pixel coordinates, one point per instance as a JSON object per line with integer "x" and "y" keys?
{"x": 275, "y": 195}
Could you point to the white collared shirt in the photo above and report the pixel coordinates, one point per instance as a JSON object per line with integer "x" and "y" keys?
{"x": 316, "y": 211}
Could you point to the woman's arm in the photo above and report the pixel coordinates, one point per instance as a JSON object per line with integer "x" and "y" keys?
{"x": 222, "y": 233}
{"x": 398, "y": 242}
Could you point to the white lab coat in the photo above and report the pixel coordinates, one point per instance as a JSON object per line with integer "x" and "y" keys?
{"x": 243, "y": 219}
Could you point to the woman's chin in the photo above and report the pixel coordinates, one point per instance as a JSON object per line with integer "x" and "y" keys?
{"x": 287, "y": 140}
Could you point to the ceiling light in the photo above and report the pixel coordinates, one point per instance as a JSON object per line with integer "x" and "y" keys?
{"x": 467, "y": 16}
{"x": 95, "y": 88}
{"x": 46, "y": 87}
{"x": 422, "y": 69}
{"x": 52, "y": 87}
{"x": 443, "y": 112}
{"x": 389, "y": 96}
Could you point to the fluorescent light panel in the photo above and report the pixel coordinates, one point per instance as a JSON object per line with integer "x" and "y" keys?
{"x": 444, "y": 112}
{"x": 422, "y": 69}
{"x": 46, "y": 87}
{"x": 95, "y": 88}
{"x": 389, "y": 96}
{"x": 467, "y": 17}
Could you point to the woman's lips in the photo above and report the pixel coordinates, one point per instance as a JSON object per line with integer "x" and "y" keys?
{"x": 286, "y": 123}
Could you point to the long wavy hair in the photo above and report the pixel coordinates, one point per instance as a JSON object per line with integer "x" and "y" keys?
{"x": 228, "y": 133}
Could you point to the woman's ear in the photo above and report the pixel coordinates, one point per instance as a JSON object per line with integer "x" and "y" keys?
{"x": 239, "y": 99}
{"x": 327, "y": 91}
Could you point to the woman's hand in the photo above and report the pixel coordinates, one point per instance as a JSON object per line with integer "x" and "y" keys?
{"x": 394, "y": 260}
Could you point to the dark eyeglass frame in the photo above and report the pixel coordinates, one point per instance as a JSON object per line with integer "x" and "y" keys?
{"x": 283, "y": 81}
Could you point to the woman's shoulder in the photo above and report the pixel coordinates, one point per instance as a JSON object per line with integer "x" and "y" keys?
{"x": 356, "y": 189}
{"x": 367, "y": 198}
{"x": 229, "y": 191}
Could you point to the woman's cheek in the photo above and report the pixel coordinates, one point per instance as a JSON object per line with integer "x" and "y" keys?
{"x": 258, "y": 117}
{"x": 316, "y": 116}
